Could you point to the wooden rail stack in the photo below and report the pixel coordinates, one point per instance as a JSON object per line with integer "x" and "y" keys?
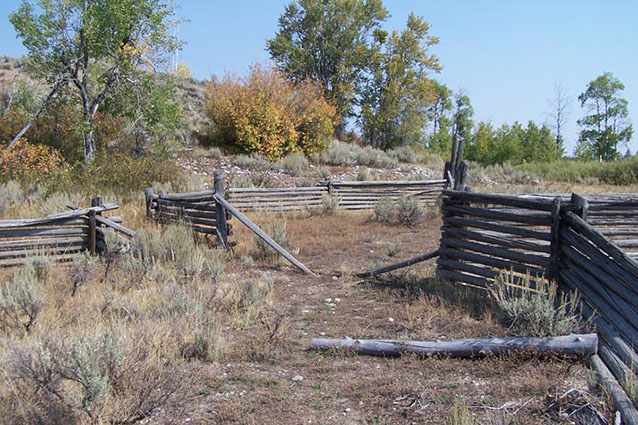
{"x": 567, "y": 239}
{"x": 199, "y": 210}
{"x": 60, "y": 237}
{"x": 350, "y": 195}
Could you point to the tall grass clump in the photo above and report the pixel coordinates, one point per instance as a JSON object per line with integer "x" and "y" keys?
{"x": 404, "y": 210}
{"x": 536, "y": 311}
{"x": 277, "y": 229}
{"x": 340, "y": 153}
{"x": 11, "y": 193}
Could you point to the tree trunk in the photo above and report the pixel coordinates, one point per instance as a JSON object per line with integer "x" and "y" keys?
{"x": 89, "y": 144}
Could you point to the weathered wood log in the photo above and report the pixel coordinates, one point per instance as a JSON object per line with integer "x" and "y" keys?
{"x": 40, "y": 242}
{"x": 493, "y": 251}
{"x": 44, "y": 231}
{"x": 246, "y": 221}
{"x": 602, "y": 242}
{"x": 602, "y": 308}
{"x": 625, "y": 376}
{"x": 496, "y": 239}
{"x": 582, "y": 345}
{"x": 498, "y": 199}
{"x": 487, "y": 260}
{"x": 400, "y": 264}
{"x": 51, "y": 250}
{"x": 106, "y": 221}
{"x": 481, "y": 224}
{"x": 622, "y": 276}
{"x": 474, "y": 281}
{"x": 389, "y": 183}
{"x": 61, "y": 217}
{"x": 621, "y": 402}
{"x": 92, "y": 235}
{"x": 530, "y": 218}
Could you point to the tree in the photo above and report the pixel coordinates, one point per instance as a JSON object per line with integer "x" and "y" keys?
{"x": 560, "y": 105}
{"x": 607, "y": 124}
{"x": 90, "y": 47}
{"x": 329, "y": 41}
{"x": 394, "y": 106}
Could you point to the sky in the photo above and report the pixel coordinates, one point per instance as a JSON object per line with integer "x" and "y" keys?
{"x": 506, "y": 55}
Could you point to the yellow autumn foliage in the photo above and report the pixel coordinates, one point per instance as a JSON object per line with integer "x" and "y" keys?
{"x": 33, "y": 162}
{"x": 266, "y": 113}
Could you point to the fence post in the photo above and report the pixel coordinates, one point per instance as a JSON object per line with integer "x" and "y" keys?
{"x": 554, "y": 244}
{"x": 148, "y": 194}
{"x": 92, "y": 232}
{"x": 581, "y": 205}
{"x": 460, "y": 178}
{"x": 220, "y": 212}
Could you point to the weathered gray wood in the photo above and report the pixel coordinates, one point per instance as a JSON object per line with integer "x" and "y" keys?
{"x": 531, "y": 218}
{"x": 246, "y": 221}
{"x": 491, "y": 261}
{"x": 481, "y": 224}
{"x": 220, "y": 212}
{"x": 51, "y": 250}
{"x": 388, "y": 183}
{"x": 148, "y": 195}
{"x": 624, "y": 374}
{"x": 34, "y": 243}
{"x": 105, "y": 221}
{"x": 552, "y": 270}
{"x": 9, "y": 224}
{"x": 602, "y": 242}
{"x": 485, "y": 272}
{"x": 493, "y": 251}
{"x": 92, "y": 235}
{"x": 498, "y": 199}
{"x": 44, "y": 231}
{"x": 478, "y": 282}
{"x": 622, "y": 403}
{"x": 400, "y": 264}
{"x": 581, "y": 345}
{"x": 497, "y": 240}
{"x": 581, "y": 204}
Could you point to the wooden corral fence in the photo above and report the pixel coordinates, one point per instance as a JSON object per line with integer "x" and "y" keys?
{"x": 353, "y": 195}
{"x": 565, "y": 239}
{"x": 60, "y": 237}
{"x": 198, "y": 209}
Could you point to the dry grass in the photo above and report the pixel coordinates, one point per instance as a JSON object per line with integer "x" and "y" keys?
{"x": 161, "y": 334}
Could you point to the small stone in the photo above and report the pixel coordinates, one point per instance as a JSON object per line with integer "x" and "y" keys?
{"x": 328, "y": 300}
{"x": 335, "y": 278}
{"x": 390, "y": 320}
{"x": 337, "y": 300}
{"x": 322, "y": 333}
{"x": 297, "y": 378}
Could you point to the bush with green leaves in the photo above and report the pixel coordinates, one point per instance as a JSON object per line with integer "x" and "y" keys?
{"x": 536, "y": 310}
{"x": 329, "y": 203}
{"x": 294, "y": 163}
{"x": 340, "y": 153}
{"x": 385, "y": 210}
{"x": 21, "y": 300}
{"x": 409, "y": 210}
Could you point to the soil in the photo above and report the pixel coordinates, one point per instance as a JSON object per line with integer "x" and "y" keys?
{"x": 273, "y": 378}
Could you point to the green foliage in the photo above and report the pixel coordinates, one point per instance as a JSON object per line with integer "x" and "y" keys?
{"x": 268, "y": 114}
{"x": 539, "y": 311}
{"x": 329, "y": 203}
{"x": 294, "y": 164}
{"x": 89, "y": 48}
{"x": 277, "y": 230}
{"x": 513, "y": 144}
{"x": 621, "y": 172}
{"x": 329, "y": 41}
{"x": 394, "y": 104}
{"x": 409, "y": 211}
{"x": 607, "y": 124}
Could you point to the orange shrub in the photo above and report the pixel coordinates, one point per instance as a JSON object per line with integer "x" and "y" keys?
{"x": 266, "y": 113}
{"x": 29, "y": 161}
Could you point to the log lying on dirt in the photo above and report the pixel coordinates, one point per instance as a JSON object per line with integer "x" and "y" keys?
{"x": 613, "y": 388}
{"x": 584, "y": 345}
{"x": 400, "y": 265}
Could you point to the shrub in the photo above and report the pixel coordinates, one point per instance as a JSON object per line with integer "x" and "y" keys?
{"x": 20, "y": 300}
{"x": 536, "y": 311}
{"x": 252, "y": 162}
{"x": 325, "y": 173}
{"x": 30, "y": 162}
{"x": 385, "y": 210}
{"x": 329, "y": 203}
{"x": 243, "y": 181}
{"x": 265, "y": 113}
{"x": 363, "y": 174}
{"x": 81, "y": 271}
{"x": 409, "y": 210}
{"x": 339, "y": 153}
{"x": 294, "y": 163}
{"x": 11, "y": 193}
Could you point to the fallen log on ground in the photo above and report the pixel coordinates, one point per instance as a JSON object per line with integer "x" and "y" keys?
{"x": 582, "y": 345}
{"x": 401, "y": 264}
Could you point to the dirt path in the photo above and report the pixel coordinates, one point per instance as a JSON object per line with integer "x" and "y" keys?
{"x": 264, "y": 386}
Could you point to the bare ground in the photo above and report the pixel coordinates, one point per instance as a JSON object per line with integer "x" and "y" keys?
{"x": 255, "y": 384}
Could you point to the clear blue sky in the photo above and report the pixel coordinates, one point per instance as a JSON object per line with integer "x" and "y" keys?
{"x": 506, "y": 55}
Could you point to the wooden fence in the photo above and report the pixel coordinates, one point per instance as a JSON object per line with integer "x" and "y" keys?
{"x": 563, "y": 238}
{"x": 350, "y": 195}
{"x": 199, "y": 210}
{"x": 60, "y": 237}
